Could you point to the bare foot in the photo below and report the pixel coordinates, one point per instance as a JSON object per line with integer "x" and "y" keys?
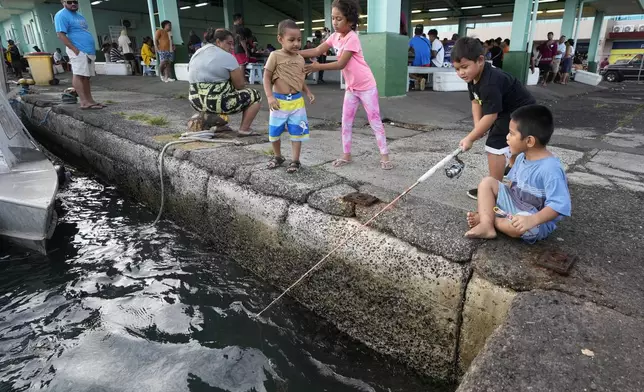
{"x": 473, "y": 219}
{"x": 480, "y": 231}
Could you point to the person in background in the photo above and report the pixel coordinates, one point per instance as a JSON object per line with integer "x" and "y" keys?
{"x": 15, "y": 58}
{"x": 125, "y": 45}
{"x": 115, "y": 53}
{"x": 505, "y": 46}
{"x": 445, "y": 42}
{"x": 566, "y": 63}
{"x": 59, "y": 59}
{"x": 147, "y": 55}
{"x": 422, "y": 56}
{"x": 194, "y": 43}
{"x": 455, "y": 37}
{"x": 547, "y": 51}
{"x": 496, "y": 53}
{"x": 165, "y": 50}
{"x": 438, "y": 52}
{"x": 72, "y": 30}
{"x": 36, "y": 49}
{"x": 604, "y": 63}
{"x": 317, "y": 41}
{"x": 557, "y": 58}
{"x": 403, "y": 24}
{"x": 241, "y": 51}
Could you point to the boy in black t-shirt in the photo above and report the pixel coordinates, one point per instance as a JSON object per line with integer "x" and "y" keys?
{"x": 495, "y": 94}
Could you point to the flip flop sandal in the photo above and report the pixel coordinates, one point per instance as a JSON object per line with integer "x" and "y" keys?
{"x": 249, "y": 134}
{"x": 386, "y": 165}
{"x": 340, "y": 162}
{"x": 275, "y": 162}
{"x": 293, "y": 167}
{"x": 96, "y": 106}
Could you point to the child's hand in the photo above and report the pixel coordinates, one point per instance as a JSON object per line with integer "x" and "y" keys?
{"x": 311, "y": 97}
{"x": 273, "y": 104}
{"x": 523, "y": 223}
{"x": 465, "y": 144}
{"x": 313, "y": 67}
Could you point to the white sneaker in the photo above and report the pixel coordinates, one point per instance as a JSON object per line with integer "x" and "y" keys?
{"x": 164, "y": 80}
{"x": 168, "y": 80}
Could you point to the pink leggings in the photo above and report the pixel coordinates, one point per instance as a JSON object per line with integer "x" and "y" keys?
{"x": 369, "y": 99}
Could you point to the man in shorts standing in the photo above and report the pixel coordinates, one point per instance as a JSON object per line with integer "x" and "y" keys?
{"x": 72, "y": 30}
{"x": 165, "y": 50}
{"x": 558, "y": 55}
{"x": 547, "y": 51}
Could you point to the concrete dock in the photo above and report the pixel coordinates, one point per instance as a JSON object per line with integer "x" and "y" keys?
{"x": 411, "y": 286}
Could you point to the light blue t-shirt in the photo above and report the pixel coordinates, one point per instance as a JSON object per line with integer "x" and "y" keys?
{"x": 75, "y": 27}
{"x": 538, "y": 184}
{"x": 423, "y": 54}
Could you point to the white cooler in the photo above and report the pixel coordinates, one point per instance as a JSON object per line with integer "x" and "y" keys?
{"x": 181, "y": 71}
{"x": 589, "y": 78}
{"x": 448, "y": 81}
{"x": 533, "y": 78}
{"x": 116, "y": 69}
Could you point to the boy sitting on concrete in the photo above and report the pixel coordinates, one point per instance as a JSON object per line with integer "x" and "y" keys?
{"x": 283, "y": 80}
{"x": 537, "y": 196}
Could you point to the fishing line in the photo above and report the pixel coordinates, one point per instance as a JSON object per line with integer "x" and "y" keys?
{"x": 454, "y": 171}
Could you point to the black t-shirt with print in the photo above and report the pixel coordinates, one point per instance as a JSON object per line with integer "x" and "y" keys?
{"x": 499, "y": 92}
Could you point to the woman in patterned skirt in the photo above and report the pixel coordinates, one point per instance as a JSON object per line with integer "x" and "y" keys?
{"x": 217, "y": 83}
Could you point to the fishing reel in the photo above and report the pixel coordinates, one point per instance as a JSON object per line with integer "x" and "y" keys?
{"x": 455, "y": 169}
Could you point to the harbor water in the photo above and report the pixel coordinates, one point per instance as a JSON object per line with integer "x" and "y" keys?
{"x": 119, "y": 305}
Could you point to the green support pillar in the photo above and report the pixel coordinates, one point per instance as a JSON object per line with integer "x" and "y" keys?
{"x": 16, "y": 26}
{"x": 517, "y": 60}
{"x": 594, "y": 41}
{"x": 385, "y": 50}
{"x": 168, "y": 10}
{"x": 85, "y": 9}
{"x": 568, "y": 21}
{"x": 462, "y": 27}
{"x": 306, "y": 15}
{"x": 328, "y": 22}
{"x": 229, "y": 11}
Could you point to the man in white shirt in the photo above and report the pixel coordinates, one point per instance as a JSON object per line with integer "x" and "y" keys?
{"x": 128, "y": 54}
{"x": 556, "y": 60}
{"x": 438, "y": 52}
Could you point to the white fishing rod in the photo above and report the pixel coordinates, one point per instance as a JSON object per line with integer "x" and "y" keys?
{"x": 453, "y": 172}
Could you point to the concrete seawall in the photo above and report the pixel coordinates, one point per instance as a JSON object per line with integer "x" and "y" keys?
{"x": 397, "y": 297}
{"x": 411, "y": 286}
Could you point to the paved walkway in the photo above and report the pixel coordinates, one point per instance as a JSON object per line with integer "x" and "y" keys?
{"x": 599, "y": 137}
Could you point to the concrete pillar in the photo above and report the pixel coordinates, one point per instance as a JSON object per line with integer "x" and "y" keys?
{"x": 308, "y": 29}
{"x": 594, "y": 41}
{"x": 517, "y": 60}
{"x": 38, "y": 32}
{"x": 229, "y": 11}
{"x": 568, "y": 21}
{"x": 385, "y": 50}
{"x": 20, "y": 39}
{"x": 85, "y": 9}
{"x": 384, "y": 16}
{"x": 462, "y": 27}
{"x": 328, "y": 22}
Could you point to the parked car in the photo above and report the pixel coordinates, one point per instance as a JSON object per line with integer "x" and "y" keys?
{"x": 622, "y": 70}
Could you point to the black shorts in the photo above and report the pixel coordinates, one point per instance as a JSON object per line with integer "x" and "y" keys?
{"x": 545, "y": 68}
{"x": 129, "y": 56}
{"x": 496, "y": 142}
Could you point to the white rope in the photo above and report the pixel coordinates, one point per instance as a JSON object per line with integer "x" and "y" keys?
{"x": 187, "y": 137}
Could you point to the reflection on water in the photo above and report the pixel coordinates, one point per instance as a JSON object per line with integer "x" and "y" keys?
{"x": 124, "y": 307}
